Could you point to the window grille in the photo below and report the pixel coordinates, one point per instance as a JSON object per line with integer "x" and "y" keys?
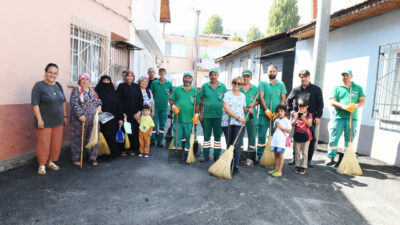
{"x": 90, "y": 50}
{"x": 387, "y": 87}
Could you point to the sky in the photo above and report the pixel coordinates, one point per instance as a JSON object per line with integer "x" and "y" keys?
{"x": 237, "y": 15}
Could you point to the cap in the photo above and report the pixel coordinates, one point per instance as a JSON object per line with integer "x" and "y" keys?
{"x": 347, "y": 71}
{"x": 247, "y": 72}
{"x": 213, "y": 70}
{"x": 188, "y": 74}
{"x": 162, "y": 68}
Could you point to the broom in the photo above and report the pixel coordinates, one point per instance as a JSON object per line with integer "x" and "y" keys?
{"x": 349, "y": 164}
{"x": 103, "y": 146}
{"x": 268, "y": 157}
{"x": 222, "y": 167}
{"x": 191, "y": 159}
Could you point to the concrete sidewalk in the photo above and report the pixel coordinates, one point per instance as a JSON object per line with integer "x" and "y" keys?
{"x": 134, "y": 190}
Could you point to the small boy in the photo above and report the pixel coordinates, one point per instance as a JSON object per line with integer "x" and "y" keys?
{"x": 302, "y": 121}
{"x": 145, "y": 130}
{"x": 282, "y": 129}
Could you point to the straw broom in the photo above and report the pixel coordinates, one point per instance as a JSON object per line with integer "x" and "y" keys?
{"x": 349, "y": 164}
{"x": 222, "y": 167}
{"x": 191, "y": 159}
{"x": 268, "y": 157}
{"x": 103, "y": 146}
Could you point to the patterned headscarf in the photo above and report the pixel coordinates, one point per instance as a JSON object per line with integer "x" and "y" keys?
{"x": 82, "y": 76}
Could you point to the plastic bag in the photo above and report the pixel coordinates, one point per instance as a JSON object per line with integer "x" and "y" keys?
{"x": 120, "y": 137}
{"x": 127, "y": 142}
{"x": 127, "y": 127}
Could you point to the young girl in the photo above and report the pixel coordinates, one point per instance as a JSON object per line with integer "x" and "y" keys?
{"x": 282, "y": 129}
{"x": 302, "y": 122}
{"x": 145, "y": 130}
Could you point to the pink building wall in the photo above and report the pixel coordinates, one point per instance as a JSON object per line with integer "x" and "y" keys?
{"x": 35, "y": 33}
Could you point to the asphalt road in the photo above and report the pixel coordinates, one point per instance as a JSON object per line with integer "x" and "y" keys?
{"x": 134, "y": 190}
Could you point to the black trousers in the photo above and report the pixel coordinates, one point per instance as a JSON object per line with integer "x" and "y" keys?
{"x": 134, "y": 137}
{"x": 230, "y": 133}
{"x": 113, "y": 145}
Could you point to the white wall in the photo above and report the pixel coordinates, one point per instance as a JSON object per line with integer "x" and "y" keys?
{"x": 356, "y": 47}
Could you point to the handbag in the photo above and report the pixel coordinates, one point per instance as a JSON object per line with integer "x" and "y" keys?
{"x": 287, "y": 144}
{"x": 301, "y": 136}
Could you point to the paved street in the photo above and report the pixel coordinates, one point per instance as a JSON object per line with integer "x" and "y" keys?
{"x": 151, "y": 191}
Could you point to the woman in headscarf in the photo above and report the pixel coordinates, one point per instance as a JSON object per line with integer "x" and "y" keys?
{"x": 131, "y": 99}
{"x": 147, "y": 95}
{"x": 84, "y": 104}
{"x": 110, "y": 103}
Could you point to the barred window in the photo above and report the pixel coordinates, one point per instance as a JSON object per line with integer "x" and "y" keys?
{"x": 387, "y": 87}
{"x": 90, "y": 50}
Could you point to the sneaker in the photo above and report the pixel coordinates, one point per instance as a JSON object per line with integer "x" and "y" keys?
{"x": 140, "y": 155}
{"x": 151, "y": 144}
{"x": 310, "y": 164}
{"x": 42, "y": 170}
{"x": 330, "y": 162}
{"x": 291, "y": 162}
{"x": 160, "y": 145}
{"x": 302, "y": 171}
{"x": 297, "y": 170}
{"x": 53, "y": 166}
{"x": 146, "y": 155}
{"x": 277, "y": 174}
{"x": 205, "y": 158}
{"x": 272, "y": 171}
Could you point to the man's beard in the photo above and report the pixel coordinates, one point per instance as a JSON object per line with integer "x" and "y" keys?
{"x": 271, "y": 76}
{"x": 187, "y": 83}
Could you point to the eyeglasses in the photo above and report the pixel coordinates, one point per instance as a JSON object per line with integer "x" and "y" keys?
{"x": 237, "y": 83}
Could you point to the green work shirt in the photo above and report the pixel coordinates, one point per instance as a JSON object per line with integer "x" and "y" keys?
{"x": 250, "y": 96}
{"x": 185, "y": 100}
{"x": 212, "y": 105}
{"x": 276, "y": 90}
{"x": 342, "y": 95}
{"x": 161, "y": 94}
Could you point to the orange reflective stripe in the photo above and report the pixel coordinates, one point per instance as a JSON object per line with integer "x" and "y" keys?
{"x": 161, "y": 131}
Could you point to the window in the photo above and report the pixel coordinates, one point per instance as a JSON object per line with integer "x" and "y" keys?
{"x": 212, "y": 52}
{"x": 176, "y": 49}
{"x": 387, "y": 87}
{"x": 90, "y": 50}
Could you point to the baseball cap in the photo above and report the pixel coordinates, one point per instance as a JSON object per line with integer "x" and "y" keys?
{"x": 213, "y": 70}
{"x": 348, "y": 71}
{"x": 247, "y": 72}
{"x": 188, "y": 74}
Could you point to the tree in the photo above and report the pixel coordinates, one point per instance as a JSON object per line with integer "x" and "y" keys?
{"x": 214, "y": 25}
{"x": 236, "y": 37}
{"x": 282, "y": 16}
{"x": 254, "y": 34}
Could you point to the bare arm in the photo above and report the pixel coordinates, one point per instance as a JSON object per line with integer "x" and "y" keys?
{"x": 65, "y": 114}
{"x": 336, "y": 104}
{"x": 361, "y": 102}
{"x": 283, "y": 99}
{"x": 262, "y": 101}
{"x": 171, "y": 102}
{"x": 36, "y": 112}
{"x": 229, "y": 111}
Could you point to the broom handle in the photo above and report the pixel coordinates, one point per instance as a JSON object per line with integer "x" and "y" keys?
{"x": 351, "y": 117}
{"x": 83, "y": 131}
{"x": 247, "y": 115}
{"x": 270, "y": 121}
{"x": 176, "y": 130}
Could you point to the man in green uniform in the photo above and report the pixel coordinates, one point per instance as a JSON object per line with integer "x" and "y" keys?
{"x": 250, "y": 91}
{"x": 277, "y": 90}
{"x": 161, "y": 89}
{"x": 211, "y": 94}
{"x": 343, "y": 108}
{"x": 182, "y": 101}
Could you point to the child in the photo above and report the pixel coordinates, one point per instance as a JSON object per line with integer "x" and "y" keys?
{"x": 302, "y": 121}
{"x": 145, "y": 130}
{"x": 282, "y": 129}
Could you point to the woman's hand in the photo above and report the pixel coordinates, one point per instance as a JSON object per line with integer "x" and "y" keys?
{"x": 242, "y": 120}
{"x": 40, "y": 124}
{"x": 120, "y": 123}
{"x": 65, "y": 121}
{"x": 251, "y": 111}
{"x": 82, "y": 119}
{"x": 152, "y": 114}
{"x": 98, "y": 109}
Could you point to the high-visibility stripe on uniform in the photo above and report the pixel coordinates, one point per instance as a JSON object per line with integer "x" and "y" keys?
{"x": 186, "y": 149}
{"x": 333, "y": 147}
{"x": 183, "y": 139}
{"x": 153, "y": 132}
{"x": 260, "y": 145}
{"x": 161, "y": 131}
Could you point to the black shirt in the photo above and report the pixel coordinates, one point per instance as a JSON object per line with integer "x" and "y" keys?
{"x": 314, "y": 96}
{"x": 150, "y": 81}
{"x": 131, "y": 98}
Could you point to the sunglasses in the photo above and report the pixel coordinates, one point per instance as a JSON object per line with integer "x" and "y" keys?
{"x": 237, "y": 83}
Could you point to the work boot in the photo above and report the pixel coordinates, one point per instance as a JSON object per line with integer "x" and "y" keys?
{"x": 340, "y": 160}
{"x": 160, "y": 145}
{"x": 204, "y": 158}
{"x": 330, "y": 162}
{"x": 216, "y": 157}
{"x": 310, "y": 164}
{"x": 151, "y": 144}
{"x": 291, "y": 162}
{"x": 184, "y": 157}
{"x": 235, "y": 170}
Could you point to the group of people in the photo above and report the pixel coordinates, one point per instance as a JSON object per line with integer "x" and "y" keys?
{"x": 219, "y": 110}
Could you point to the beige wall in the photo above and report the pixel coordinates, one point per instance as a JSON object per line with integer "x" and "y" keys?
{"x": 33, "y": 34}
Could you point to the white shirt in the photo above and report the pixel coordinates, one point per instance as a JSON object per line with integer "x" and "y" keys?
{"x": 279, "y": 138}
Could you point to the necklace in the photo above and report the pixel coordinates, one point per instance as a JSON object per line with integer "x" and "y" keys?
{"x": 52, "y": 89}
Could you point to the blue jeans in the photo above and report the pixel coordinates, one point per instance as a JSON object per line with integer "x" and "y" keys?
{"x": 230, "y": 133}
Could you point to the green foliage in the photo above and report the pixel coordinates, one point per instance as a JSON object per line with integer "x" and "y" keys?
{"x": 254, "y": 34}
{"x": 282, "y": 16}
{"x": 236, "y": 37}
{"x": 214, "y": 25}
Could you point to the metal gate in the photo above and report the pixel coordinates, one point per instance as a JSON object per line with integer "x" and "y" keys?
{"x": 387, "y": 87}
